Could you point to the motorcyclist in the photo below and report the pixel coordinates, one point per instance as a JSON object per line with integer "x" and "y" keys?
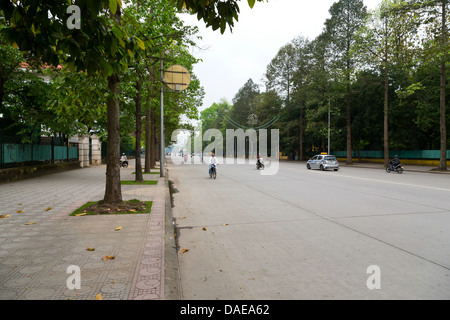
{"x": 395, "y": 162}
{"x": 212, "y": 160}
{"x": 123, "y": 159}
{"x": 259, "y": 162}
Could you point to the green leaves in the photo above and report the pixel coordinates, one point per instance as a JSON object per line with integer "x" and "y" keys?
{"x": 102, "y": 45}
{"x": 113, "y": 5}
{"x": 140, "y": 43}
{"x": 216, "y": 14}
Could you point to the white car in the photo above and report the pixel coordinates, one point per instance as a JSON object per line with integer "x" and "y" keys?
{"x": 323, "y": 162}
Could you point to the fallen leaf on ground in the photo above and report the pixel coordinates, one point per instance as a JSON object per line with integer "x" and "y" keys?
{"x": 99, "y": 297}
{"x": 118, "y": 228}
{"x": 90, "y": 249}
{"x": 183, "y": 251}
{"x": 225, "y": 224}
{"x": 108, "y": 258}
{"x": 19, "y": 211}
{"x": 80, "y": 214}
{"x": 30, "y": 223}
{"x": 5, "y": 216}
{"x": 204, "y": 229}
{"x": 182, "y": 218}
{"x": 49, "y": 208}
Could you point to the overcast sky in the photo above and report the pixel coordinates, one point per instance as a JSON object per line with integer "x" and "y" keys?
{"x": 230, "y": 59}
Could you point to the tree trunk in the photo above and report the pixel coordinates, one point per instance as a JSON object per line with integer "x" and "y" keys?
{"x": 156, "y": 147}
{"x": 148, "y": 142}
{"x": 301, "y": 134}
{"x": 147, "y": 139}
{"x": 153, "y": 141}
{"x": 138, "y": 176}
{"x": 113, "y": 192}
{"x": 301, "y": 129}
{"x": 386, "y": 96}
{"x": 150, "y": 126}
{"x": 2, "y": 93}
{"x": 386, "y": 118}
{"x": 349, "y": 125}
{"x": 443, "y": 128}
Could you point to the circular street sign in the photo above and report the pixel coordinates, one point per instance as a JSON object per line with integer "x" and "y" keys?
{"x": 177, "y": 77}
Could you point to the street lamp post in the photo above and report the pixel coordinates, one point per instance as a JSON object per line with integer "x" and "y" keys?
{"x": 328, "y": 126}
{"x": 179, "y": 80}
{"x": 161, "y": 161}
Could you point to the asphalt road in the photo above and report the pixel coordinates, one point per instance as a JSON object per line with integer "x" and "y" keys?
{"x": 307, "y": 234}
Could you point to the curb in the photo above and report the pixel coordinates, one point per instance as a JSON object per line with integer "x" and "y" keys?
{"x": 172, "y": 279}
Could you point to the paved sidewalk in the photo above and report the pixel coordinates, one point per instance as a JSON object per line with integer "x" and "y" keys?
{"x": 39, "y": 240}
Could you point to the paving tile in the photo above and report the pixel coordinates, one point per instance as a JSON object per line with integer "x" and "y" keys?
{"x": 40, "y": 240}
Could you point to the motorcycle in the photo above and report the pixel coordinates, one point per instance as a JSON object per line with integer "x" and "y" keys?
{"x": 260, "y": 164}
{"x": 123, "y": 164}
{"x": 398, "y": 168}
{"x": 213, "y": 171}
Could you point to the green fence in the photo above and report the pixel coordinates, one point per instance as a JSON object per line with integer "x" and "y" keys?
{"x": 17, "y": 154}
{"x": 402, "y": 154}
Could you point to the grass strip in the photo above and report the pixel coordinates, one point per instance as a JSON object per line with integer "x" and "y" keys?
{"x": 132, "y": 182}
{"x": 133, "y": 206}
{"x": 146, "y": 173}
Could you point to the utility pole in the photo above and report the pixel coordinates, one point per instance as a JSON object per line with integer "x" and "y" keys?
{"x": 329, "y": 132}
{"x": 161, "y": 160}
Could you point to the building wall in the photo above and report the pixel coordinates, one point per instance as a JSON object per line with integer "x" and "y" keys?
{"x": 83, "y": 150}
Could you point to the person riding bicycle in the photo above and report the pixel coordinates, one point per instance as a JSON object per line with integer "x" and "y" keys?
{"x": 212, "y": 161}
{"x": 258, "y": 161}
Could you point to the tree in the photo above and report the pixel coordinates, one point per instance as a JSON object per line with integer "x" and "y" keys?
{"x": 159, "y": 23}
{"x": 244, "y": 103}
{"x": 26, "y": 108}
{"x": 319, "y": 82}
{"x": 435, "y": 13}
{"x": 301, "y": 82}
{"x": 138, "y": 114}
{"x": 10, "y": 60}
{"x": 78, "y": 101}
{"x": 367, "y": 112}
{"x": 280, "y": 72}
{"x": 214, "y": 118}
{"x": 386, "y": 42}
{"x": 347, "y": 16}
{"x": 288, "y": 76}
{"x": 102, "y": 46}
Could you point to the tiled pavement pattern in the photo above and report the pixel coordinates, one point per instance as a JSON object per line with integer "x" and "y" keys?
{"x": 34, "y": 258}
